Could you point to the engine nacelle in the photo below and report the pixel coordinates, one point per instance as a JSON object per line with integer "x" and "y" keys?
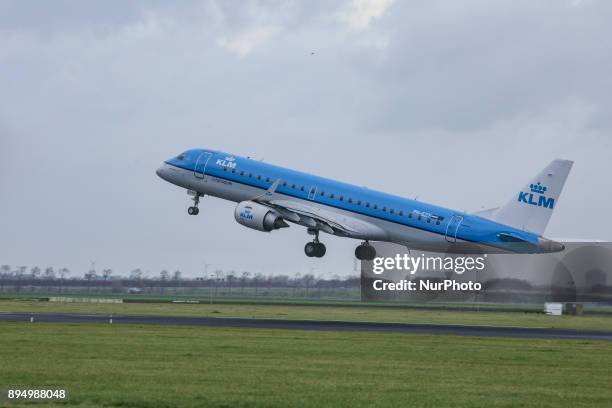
{"x": 259, "y": 217}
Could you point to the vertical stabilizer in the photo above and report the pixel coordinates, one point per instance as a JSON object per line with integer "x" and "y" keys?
{"x": 531, "y": 207}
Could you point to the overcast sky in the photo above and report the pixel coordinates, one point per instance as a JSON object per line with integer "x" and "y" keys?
{"x": 457, "y": 102}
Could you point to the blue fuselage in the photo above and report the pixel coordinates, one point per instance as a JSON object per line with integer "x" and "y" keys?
{"x": 449, "y": 226}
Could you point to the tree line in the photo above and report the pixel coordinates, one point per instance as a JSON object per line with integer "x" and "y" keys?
{"x": 35, "y": 276}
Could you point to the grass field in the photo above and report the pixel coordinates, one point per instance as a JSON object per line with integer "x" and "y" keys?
{"x": 331, "y": 312}
{"x": 164, "y": 366}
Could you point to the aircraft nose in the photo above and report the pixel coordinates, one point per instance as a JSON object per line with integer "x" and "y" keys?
{"x": 162, "y": 171}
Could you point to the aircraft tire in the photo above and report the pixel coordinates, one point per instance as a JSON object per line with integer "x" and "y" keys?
{"x": 365, "y": 252}
{"x": 321, "y": 250}
{"x": 310, "y": 249}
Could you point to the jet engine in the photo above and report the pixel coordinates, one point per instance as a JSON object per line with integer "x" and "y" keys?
{"x": 259, "y": 217}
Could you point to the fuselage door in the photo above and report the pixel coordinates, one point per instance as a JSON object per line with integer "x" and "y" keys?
{"x": 200, "y": 168}
{"x": 452, "y": 228}
{"x": 312, "y": 192}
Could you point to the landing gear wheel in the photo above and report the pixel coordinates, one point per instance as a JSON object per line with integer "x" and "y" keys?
{"x": 315, "y": 248}
{"x": 365, "y": 252}
{"x": 310, "y": 249}
{"x": 320, "y": 250}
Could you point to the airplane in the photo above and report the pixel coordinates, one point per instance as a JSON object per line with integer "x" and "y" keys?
{"x": 270, "y": 197}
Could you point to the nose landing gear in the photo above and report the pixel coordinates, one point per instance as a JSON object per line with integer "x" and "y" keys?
{"x": 194, "y": 210}
{"x": 315, "y": 248}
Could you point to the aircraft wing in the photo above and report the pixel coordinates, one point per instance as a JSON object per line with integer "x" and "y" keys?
{"x": 313, "y": 217}
{"x": 316, "y": 217}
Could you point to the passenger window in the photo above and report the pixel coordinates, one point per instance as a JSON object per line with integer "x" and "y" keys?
{"x": 302, "y": 188}
{"x": 341, "y": 198}
{"x": 358, "y": 202}
{"x": 410, "y": 215}
{"x": 332, "y": 195}
{"x": 384, "y": 209}
{"x": 322, "y": 193}
{"x": 350, "y": 200}
{"x": 284, "y": 184}
{"x": 242, "y": 172}
{"x": 267, "y": 179}
{"x": 438, "y": 222}
{"x": 258, "y": 177}
{"x": 233, "y": 171}
{"x": 375, "y": 207}
{"x": 367, "y": 205}
{"x": 250, "y": 175}
{"x": 419, "y": 218}
{"x": 401, "y": 213}
{"x": 428, "y": 220}
{"x": 293, "y": 186}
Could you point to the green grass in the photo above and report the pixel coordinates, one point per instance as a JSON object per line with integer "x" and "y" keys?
{"x": 348, "y": 313}
{"x": 275, "y": 300}
{"x": 166, "y": 366}
{"x": 222, "y": 292}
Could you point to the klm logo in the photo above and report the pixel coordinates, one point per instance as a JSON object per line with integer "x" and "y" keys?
{"x": 229, "y": 162}
{"x": 536, "y": 197}
{"x": 246, "y": 214}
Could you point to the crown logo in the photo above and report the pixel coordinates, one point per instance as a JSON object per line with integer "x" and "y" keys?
{"x": 538, "y": 188}
{"x": 230, "y": 159}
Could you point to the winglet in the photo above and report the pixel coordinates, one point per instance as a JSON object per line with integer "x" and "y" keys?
{"x": 269, "y": 192}
{"x": 272, "y": 188}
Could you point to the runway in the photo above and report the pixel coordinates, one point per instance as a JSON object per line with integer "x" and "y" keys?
{"x": 321, "y": 325}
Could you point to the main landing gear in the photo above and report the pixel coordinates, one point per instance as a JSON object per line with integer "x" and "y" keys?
{"x": 365, "y": 252}
{"x": 194, "y": 210}
{"x": 315, "y": 248}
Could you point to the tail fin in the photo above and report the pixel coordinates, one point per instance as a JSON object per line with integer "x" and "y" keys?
{"x": 530, "y": 209}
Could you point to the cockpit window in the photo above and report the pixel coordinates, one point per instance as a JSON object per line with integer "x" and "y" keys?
{"x": 180, "y": 156}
